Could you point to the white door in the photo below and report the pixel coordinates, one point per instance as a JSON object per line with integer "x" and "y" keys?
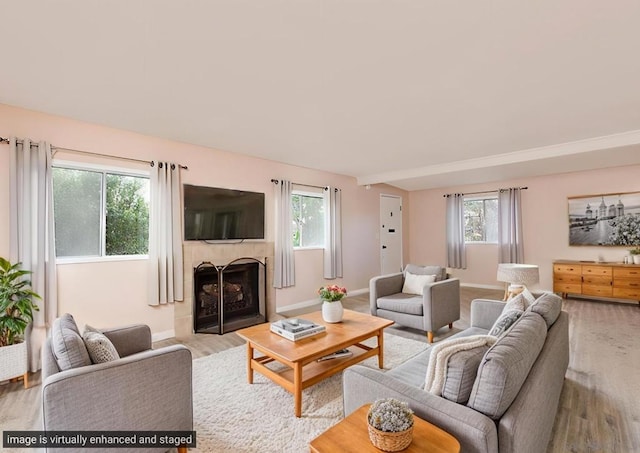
{"x": 390, "y": 234}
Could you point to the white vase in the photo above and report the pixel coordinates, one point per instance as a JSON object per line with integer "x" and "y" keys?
{"x": 636, "y": 259}
{"x": 332, "y": 311}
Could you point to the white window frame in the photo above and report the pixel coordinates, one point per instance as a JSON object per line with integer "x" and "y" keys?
{"x": 308, "y": 192}
{"x": 104, "y": 169}
{"x": 479, "y": 198}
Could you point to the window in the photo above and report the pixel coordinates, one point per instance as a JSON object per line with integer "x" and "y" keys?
{"x": 481, "y": 220}
{"x": 307, "y": 210}
{"x": 99, "y": 212}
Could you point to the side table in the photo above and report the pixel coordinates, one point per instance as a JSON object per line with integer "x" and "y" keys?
{"x": 352, "y": 436}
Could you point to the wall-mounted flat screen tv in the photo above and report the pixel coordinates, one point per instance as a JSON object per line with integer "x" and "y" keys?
{"x": 216, "y": 214}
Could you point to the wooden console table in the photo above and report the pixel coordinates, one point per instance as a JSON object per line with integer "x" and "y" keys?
{"x": 590, "y": 278}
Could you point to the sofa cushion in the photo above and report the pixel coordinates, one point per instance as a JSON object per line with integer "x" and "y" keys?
{"x": 414, "y": 283}
{"x": 67, "y": 344}
{"x": 401, "y": 303}
{"x": 548, "y": 306}
{"x": 439, "y": 271}
{"x": 99, "y": 346}
{"x": 460, "y": 374}
{"x": 506, "y": 365}
{"x": 504, "y": 321}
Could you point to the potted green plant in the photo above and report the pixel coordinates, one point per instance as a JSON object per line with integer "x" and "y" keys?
{"x": 16, "y": 312}
{"x": 390, "y": 424}
{"x": 635, "y": 254}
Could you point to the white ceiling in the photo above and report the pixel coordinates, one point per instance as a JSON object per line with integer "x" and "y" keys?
{"x": 414, "y": 93}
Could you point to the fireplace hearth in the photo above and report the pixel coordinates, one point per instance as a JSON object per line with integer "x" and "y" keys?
{"x": 229, "y": 297}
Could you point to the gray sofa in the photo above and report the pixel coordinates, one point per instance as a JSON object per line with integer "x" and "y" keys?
{"x": 436, "y": 307}
{"x": 515, "y": 387}
{"x": 143, "y": 390}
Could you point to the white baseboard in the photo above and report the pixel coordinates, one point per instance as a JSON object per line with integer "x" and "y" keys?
{"x": 478, "y": 285}
{"x": 163, "y": 335}
{"x": 312, "y": 302}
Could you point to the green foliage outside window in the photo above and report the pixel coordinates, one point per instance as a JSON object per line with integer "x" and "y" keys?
{"x": 81, "y": 219}
{"x": 308, "y": 220}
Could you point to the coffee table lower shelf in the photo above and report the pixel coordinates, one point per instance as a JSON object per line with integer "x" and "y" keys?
{"x": 352, "y": 436}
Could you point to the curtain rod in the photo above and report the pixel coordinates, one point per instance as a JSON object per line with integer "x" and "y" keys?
{"x": 485, "y": 191}
{"x": 77, "y": 151}
{"x": 277, "y": 181}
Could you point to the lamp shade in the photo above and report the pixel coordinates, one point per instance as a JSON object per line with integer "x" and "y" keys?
{"x": 518, "y": 274}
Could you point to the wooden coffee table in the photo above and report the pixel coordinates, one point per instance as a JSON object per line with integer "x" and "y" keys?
{"x": 351, "y": 435}
{"x": 302, "y": 369}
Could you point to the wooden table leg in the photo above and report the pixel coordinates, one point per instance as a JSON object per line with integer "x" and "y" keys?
{"x": 380, "y": 349}
{"x": 297, "y": 389}
{"x": 249, "y": 359}
{"x": 26, "y": 380}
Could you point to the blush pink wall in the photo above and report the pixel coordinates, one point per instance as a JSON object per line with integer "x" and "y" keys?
{"x": 546, "y": 229}
{"x": 114, "y": 293}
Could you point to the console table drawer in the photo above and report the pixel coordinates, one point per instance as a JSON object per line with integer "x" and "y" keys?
{"x": 627, "y": 283}
{"x": 567, "y": 269}
{"x": 596, "y": 280}
{"x": 596, "y": 290}
{"x": 626, "y": 272}
{"x": 597, "y": 270}
{"x": 575, "y": 288}
{"x": 627, "y": 293}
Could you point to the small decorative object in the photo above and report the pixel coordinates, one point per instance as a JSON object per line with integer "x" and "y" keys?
{"x": 16, "y": 312}
{"x": 331, "y": 296}
{"x": 635, "y": 255}
{"x": 390, "y": 424}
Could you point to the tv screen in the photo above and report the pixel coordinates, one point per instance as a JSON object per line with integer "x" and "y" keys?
{"x": 217, "y": 214}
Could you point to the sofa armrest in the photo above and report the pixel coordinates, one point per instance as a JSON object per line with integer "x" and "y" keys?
{"x": 484, "y": 312}
{"x": 476, "y": 432}
{"x": 148, "y": 391}
{"x": 441, "y": 303}
{"x": 384, "y": 285}
{"x": 130, "y": 339}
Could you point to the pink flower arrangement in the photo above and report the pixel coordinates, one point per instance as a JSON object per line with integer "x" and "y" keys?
{"x": 332, "y": 293}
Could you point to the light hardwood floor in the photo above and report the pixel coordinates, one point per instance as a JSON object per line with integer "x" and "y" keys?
{"x": 600, "y": 403}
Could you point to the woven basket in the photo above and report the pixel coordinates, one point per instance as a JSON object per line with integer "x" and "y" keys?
{"x": 387, "y": 441}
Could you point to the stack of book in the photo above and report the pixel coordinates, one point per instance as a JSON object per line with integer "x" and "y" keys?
{"x": 296, "y": 329}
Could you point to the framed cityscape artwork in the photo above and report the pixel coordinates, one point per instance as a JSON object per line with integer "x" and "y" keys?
{"x": 606, "y": 219}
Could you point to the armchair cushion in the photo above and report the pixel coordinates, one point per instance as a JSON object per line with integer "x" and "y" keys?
{"x": 99, "y": 347}
{"x": 67, "y": 344}
{"x": 402, "y": 303}
{"x": 414, "y": 283}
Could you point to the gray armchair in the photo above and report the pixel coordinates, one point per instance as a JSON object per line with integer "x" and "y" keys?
{"x": 143, "y": 390}
{"x": 438, "y": 306}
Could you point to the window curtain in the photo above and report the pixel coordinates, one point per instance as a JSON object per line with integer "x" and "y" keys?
{"x": 511, "y": 248}
{"x": 31, "y": 233}
{"x": 333, "y": 233}
{"x": 165, "y": 235}
{"x": 456, "y": 248}
{"x": 284, "y": 271}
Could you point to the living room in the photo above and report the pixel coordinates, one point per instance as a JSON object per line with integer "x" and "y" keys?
{"x": 582, "y": 161}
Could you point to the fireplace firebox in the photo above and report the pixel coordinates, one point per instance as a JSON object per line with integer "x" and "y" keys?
{"x": 229, "y": 297}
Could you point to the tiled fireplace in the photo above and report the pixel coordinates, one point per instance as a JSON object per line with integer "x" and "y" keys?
{"x": 217, "y": 256}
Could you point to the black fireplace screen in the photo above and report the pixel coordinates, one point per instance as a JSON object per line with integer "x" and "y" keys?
{"x": 238, "y": 287}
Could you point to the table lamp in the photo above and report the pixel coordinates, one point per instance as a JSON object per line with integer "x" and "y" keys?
{"x": 517, "y": 277}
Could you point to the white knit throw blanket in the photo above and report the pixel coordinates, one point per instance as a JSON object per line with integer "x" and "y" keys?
{"x": 442, "y": 352}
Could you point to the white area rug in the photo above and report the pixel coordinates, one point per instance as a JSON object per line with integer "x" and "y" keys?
{"x": 232, "y": 416}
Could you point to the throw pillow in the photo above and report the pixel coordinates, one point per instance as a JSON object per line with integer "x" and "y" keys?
{"x": 67, "y": 345}
{"x": 548, "y": 306}
{"x": 504, "y": 321}
{"x": 99, "y": 346}
{"x": 518, "y": 302}
{"x": 461, "y": 373}
{"x": 414, "y": 284}
{"x": 528, "y": 296}
{"x": 440, "y": 369}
